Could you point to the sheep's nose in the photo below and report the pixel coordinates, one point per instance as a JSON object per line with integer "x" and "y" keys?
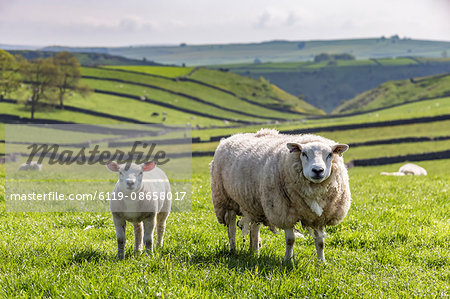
{"x": 130, "y": 183}
{"x": 317, "y": 170}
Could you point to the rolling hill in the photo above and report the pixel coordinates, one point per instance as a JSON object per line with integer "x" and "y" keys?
{"x": 327, "y": 85}
{"x": 168, "y": 96}
{"x": 86, "y": 58}
{"x": 393, "y": 93}
{"x": 274, "y": 51}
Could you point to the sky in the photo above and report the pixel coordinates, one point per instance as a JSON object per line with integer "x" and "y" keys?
{"x": 112, "y": 23}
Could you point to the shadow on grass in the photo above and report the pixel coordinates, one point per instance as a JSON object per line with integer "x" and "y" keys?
{"x": 241, "y": 260}
{"x": 89, "y": 255}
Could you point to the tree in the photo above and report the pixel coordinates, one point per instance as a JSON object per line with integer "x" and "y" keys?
{"x": 68, "y": 75}
{"x": 9, "y": 74}
{"x": 41, "y": 74}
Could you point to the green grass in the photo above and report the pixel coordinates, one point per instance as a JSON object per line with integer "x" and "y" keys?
{"x": 398, "y": 92}
{"x": 243, "y": 86}
{"x": 393, "y": 243}
{"x": 166, "y": 71}
{"x": 68, "y": 116}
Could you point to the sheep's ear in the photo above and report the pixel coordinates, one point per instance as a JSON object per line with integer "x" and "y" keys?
{"x": 113, "y": 166}
{"x": 147, "y": 166}
{"x": 340, "y": 148}
{"x": 294, "y": 147}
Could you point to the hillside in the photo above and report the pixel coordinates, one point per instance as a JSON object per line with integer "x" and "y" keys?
{"x": 274, "y": 51}
{"x": 398, "y": 92}
{"x": 168, "y": 96}
{"x": 326, "y": 85}
{"x": 86, "y": 59}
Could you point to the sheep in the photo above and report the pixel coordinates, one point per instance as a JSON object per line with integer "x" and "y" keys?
{"x": 407, "y": 169}
{"x": 141, "y": 196}
{"x": 31, "y": 166}
{"x": 279, "y": 180}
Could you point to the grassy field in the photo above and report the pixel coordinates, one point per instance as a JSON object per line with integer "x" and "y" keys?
{"x": 166, "y": 71}
{"x": 393, "y": 243}
{"x": 398, "y": 92}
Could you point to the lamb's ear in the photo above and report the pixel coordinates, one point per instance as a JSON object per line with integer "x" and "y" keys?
{"x": 294, "y": 147}
{"x": 113, "y": 166}
{"x": 147, "y": 166}
{"x": 340, "y": 148}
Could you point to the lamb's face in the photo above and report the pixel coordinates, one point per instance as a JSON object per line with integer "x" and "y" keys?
{"x": 130, "y": 178}
{"x": 316, "y": 158}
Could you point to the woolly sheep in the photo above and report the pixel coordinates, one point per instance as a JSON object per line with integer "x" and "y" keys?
{"x": 140, "y": 196}
{"x": 278, "y": 180}
{"x": 408, "y": 169}
{"x": 32, "y": 166}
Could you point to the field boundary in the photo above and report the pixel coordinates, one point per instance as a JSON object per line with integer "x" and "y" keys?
{"x": 94, "y": 113}
{"x": 398, "y": 159}
{"x": 159, "y": 103}
{"x": 445, "y": 95}
{"x": 278, "y": 109}
{"x": 194, "y": 98}
{"x": 185, "y": 79}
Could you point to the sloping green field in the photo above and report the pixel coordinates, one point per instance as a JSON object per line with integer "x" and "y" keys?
{"x": 398, "y": 92}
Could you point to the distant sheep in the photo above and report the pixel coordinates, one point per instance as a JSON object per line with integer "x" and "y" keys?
{"x": 279, "y": 180}
{"x": 141, "y": 196}
{"x": 32, "y": 166}
{"x": 408, "y": 169}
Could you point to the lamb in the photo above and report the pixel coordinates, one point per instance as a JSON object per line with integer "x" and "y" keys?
{"x": 408, "y": 169}
{"x": 32, "y": 166}
{"x": 141, "y": 196}
{"x": 278, "y": 180}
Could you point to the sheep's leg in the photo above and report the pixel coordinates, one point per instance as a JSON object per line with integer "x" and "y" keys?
{"x": 230, "y": 220}
{"x": 254, "y": 236}
{"x": 289, "y": 236}
{"x": 120, "y": 225}
{"x": 149, "y": 228}
{"x": 138, "y": 236}
{"x": 160, "y": 227}
{"x": 319, "y": 234}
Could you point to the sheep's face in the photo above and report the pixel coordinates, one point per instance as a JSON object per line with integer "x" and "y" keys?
{"x": 316, "y": 158}
{"x": 130, "y": 176}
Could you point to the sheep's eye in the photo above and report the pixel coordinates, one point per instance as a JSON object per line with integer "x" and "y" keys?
{"x": 121, "y": 173}
{"x": 304, "y": 155}
{"x": 330, "y": 155}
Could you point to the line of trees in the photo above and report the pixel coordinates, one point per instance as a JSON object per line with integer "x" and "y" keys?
{"x": 49, "y": 80}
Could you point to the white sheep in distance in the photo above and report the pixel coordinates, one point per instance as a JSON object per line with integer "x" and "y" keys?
{"x": 32, "y": 166}
{"x": 407, "y": 169}
{"x": 279, "y": 180}
{"x": 141, "y": 196}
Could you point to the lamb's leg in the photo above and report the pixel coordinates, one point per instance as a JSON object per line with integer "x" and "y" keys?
{"x": 230, "y": 220}
{"x": 319, "y": 234}
{"x": 289, "y": 236}
{"x": 254, "y": 236}
{"x": 149, "y": 228}
{"x": 138, "y": 236}
{"x": 120, "y": 225}
{"x": 160, "y": 227}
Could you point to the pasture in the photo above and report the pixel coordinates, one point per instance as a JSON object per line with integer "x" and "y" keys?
{"x": 393, "y": 243}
